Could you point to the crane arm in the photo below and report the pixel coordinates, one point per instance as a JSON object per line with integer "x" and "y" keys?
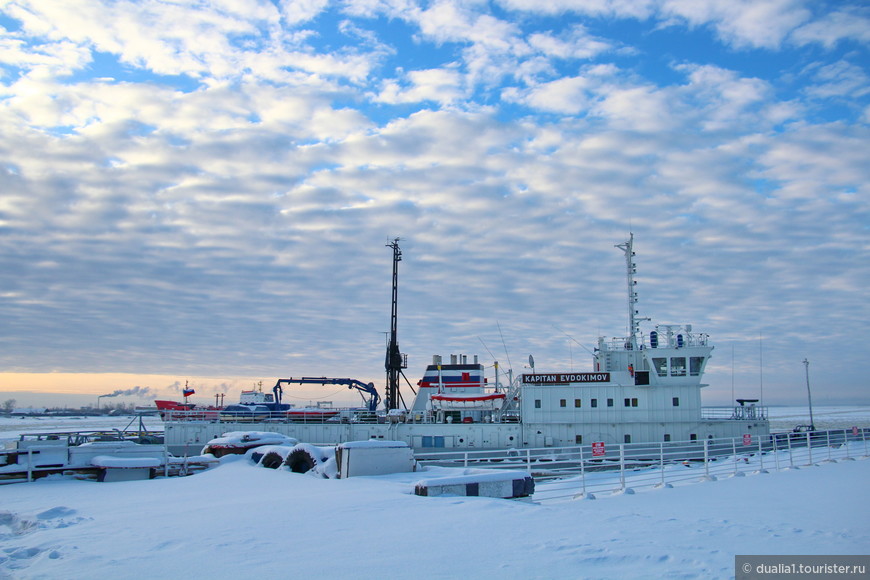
{"x": 369, "y": 388}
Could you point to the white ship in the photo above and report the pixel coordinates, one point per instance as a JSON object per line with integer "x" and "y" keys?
{"x": 641, "y": 388}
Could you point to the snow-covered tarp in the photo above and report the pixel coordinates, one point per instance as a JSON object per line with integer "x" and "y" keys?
{"x": 247, "y": 438}
{"x": 239, "y": 441}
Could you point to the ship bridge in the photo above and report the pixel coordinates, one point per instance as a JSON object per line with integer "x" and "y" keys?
{"x": 672, "y": 352}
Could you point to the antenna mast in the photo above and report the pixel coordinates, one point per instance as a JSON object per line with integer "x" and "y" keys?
{"x": 395, "y": 361}
{"x": 631, "y": 269}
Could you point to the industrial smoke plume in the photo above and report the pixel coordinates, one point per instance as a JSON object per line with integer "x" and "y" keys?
{"x": 137, "y": 391}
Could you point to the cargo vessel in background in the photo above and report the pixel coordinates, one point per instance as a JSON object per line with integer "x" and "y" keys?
{"x": 645, "y": 387}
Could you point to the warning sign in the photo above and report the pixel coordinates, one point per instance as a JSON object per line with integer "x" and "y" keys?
{"x": 747, "y": 439}
{"x": 598, "y": 449}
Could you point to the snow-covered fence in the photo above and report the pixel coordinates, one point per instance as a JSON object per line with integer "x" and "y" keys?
{"x": 583, "y": 470}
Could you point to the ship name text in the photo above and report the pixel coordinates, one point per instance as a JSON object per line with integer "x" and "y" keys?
{"x": 565, "y": 378}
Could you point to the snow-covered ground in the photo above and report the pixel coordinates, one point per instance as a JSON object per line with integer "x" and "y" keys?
{"x": 241, "y": 521}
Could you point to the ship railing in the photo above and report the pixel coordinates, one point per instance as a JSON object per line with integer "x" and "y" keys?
{"x": 341, "y": 415}
{"x": 35, "y": 454}
{"x": 737, "y": 413}
{"x": 584, "y": 471}
{"x": 642, "y": 341}
{"x": 335, "y": 415}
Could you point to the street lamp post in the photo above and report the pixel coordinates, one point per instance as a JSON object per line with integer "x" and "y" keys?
{"x": 809, "y": 394}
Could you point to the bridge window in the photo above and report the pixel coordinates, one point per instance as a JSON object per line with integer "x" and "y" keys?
{"x": 627, "y": 438}
{"x": 696, "y": 363}
{"x": 563, "y": 403}
{"x": 593, "y": 403}
{"x": 667, "y": 436}
{"x": 578, "y": 439}
{"x": 609, "y": 402}
{"x": 631, "y": 402}
{"x": 661, "y": 366}
{"x": 578, "y": 403}
{"x": 676, "y": 401}
{"x": 678, "y": 366}
{"x": 537, "y": 403}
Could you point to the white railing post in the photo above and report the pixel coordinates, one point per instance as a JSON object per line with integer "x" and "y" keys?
{"x": 846, "y": 443}
{"x": 828, "y": 442}
{"x": 622, "y": 465}
{"x": 734, "y": 449}
{"x": 465, "y": 459}
{"x": 662, "y": 462}
{"x": 810, "y": 447}
{"x": 529, "y": 459}
{"x": 582, "y": 472}
{"x": 760, "y": 455}
{"x": 864, "y": 439}
{"x": 776, "y": 451}
{"x": 706, "y": 459}
{"x": 30, "y": 464}
{"x": 790, "y": 454}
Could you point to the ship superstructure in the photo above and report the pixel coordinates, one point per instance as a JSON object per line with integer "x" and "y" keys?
{"x": 641, "y": 388}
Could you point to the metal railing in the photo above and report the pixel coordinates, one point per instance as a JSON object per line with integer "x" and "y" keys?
{"x": 738, "y": 413}
{"x": 582, "y": 471}
{"x": 214, "y": 416}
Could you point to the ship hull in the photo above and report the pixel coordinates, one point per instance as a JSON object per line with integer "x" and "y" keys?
{"x": 189, "y": 437}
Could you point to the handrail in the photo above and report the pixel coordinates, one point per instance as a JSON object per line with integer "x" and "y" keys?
{"x": 580, "y": 471}
{"x": 736, "y": 413}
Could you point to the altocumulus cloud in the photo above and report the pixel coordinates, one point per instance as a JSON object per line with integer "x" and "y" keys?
{"x": 206, "y": 189}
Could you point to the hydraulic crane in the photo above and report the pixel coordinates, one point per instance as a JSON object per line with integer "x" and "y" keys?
{"x": 369, "y": 388}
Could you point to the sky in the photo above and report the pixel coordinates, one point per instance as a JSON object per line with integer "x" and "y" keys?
{"x": 203, "y": 192}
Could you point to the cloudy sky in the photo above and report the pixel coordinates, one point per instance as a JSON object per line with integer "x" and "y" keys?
{"x": 203, "y": 191}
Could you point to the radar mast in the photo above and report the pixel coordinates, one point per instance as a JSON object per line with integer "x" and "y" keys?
{"x": 630, "y": 270}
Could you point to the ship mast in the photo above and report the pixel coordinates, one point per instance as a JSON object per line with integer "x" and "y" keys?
{"x": 630, "y": 270}
{"x": 394, "y": 360}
